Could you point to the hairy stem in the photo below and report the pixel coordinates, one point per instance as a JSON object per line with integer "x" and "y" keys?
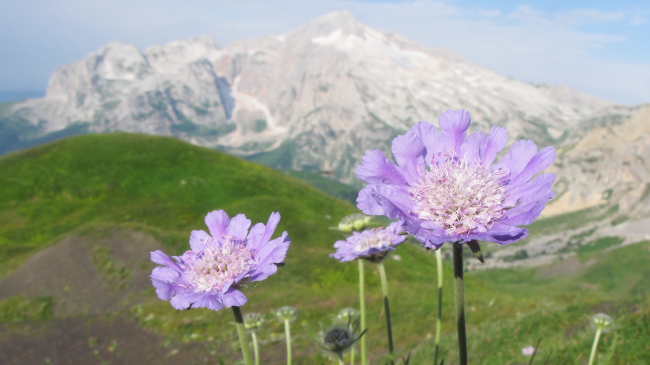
{"x": 594, "y": 347}
{"x": 287, "y": 333}
{"x": 362, "y": 309}
{"x": 389, "y": 329}
{"x": 239, "y": 322}
{"x": 256, "y": 348}
{"x": 459, "y": 289}
{"x": 439, "y": 320}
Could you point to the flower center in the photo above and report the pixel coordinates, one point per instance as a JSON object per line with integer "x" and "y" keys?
{"x": 459, "y": 197}
{"x": 216, "y": 266}
{"x": 378, "y": 239}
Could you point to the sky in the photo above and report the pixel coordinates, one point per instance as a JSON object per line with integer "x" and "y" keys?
{"x": 597, "y": 47}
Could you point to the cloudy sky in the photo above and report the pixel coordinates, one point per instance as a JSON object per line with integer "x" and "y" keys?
{"x": 596, "y": 47}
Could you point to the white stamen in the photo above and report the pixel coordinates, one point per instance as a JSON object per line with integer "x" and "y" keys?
{"x": 459, "y": 197}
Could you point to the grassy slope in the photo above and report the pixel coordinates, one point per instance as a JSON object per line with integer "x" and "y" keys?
{"x": 137, "y": 181}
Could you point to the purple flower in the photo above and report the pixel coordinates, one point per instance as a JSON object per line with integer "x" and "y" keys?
{"x": 211, "y": 273}
{"x": 371, "y": 244}
{"x": 462, "y": 195}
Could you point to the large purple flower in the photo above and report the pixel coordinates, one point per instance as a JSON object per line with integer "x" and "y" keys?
{"x": 371, "y": 244}
{"x": 218, "y": 264}
{"x": 462, "y": 195}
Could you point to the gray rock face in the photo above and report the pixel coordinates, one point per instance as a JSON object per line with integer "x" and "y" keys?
{"x": 314, "y": 98}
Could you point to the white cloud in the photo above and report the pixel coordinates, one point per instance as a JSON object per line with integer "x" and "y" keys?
{"x": 638, "y": 20}
{"x": 589, "y": 16}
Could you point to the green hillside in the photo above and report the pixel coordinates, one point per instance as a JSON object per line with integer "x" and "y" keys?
{"x": 163, "y": 187}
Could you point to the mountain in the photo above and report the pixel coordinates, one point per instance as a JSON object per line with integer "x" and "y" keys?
{"x": 312, "y": 99}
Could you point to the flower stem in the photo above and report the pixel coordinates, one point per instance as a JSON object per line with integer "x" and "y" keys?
{"x": 256, "y": 348}
{"x": 594, "y": 347}
{"x": 362, "y": 309}
{"x": 459, "y": 289}
{"x": 389, "y": 329}
{"x": 439, "y": 320}
{"x": 287, "y": 333}
{"x": 239, "y": 322}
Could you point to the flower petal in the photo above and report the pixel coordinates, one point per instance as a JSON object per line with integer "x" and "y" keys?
{"x": 531, "y": 190}
{"x": 217, "y": 221}
{"x": 408, "y": 151}
{"x": 366, "y": 203}
{"x": 518, "y": 157}
{"x": 540, "y": 162}
{"x": 496, "y": 140}
{"x": 233, "y": 297}
{"x": 164, "y": 290}
{"x": 212, "y": 302}
{"x": 431, "y": 139}
{"x": 165, "y": 274}
{"x": 238, "y": 226}
{"x": 502, "y": 234}
{"x": 375, "y": 168}
{"x": 198, "y": 240}
{"x": 471, "y": 148}
{"x": 454, "y": 125}
{"x": 274, "y": 219}
{"x": 161, "y": 258}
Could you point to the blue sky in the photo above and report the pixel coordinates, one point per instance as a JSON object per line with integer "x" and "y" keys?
{"x": 596, "y": 47}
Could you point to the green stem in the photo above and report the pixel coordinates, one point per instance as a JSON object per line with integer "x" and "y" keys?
{"x": 439, "y": 320}
{"x": 341, "y": 362}
{"x": 287, "y": 333}
{"x": 239, "y": 322}
{"x": 352, "y": 349}
{"x": 362, "y": 308}
{"x": 459, "y": 289}
{"x": 389, "y": 329}
{"x": 594, "y": 347}
{"x": 256, "y": 348}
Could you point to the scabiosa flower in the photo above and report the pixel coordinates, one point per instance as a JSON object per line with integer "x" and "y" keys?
{"x": 220, "y": 263}
{"x": 371, "y": 244}
{"x": 463, "y": 195}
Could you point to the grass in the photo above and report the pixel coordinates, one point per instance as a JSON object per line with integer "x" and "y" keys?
{"x": 165, "y": 187}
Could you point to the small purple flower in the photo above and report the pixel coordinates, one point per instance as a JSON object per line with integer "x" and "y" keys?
{"x": 371, "y": 244}
{"x": 463, "y": 195}
{"x": 218, "y": 264}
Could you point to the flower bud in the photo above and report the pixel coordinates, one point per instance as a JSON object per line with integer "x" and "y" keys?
{"x": 253, "y": 321}
{"x": 354, "y": 222}
{"x": 602, "y": 321}
{"x": 286, "y": 313}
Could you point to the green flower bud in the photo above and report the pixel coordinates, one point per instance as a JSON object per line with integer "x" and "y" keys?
{"x": 253, "y": 321}
{"x": 602, "y": 321}
{"x": 286, "y": 313}
{"x": 354, "y": 222}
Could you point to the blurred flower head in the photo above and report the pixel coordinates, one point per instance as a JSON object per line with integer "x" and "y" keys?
{"x": 602, "y": 322}
{"x": 220, "y": 263}
{"x": 253, "y": 321}
{"x": 372, "y": 244}
{"x": 286, "y": 313}
{"x": 337, "y": 340}
{"x": 528, "y": 351}
{"x": 354, "y": 222}
{"x": 447, "y": 188}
